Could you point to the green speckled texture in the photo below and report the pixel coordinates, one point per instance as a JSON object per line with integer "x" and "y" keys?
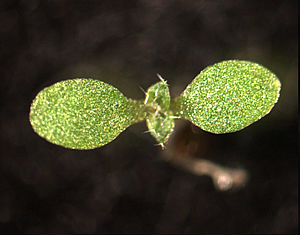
{"x": 228, "y": 96}
{"x": 161, "y": 126}
{"x": 158, "y": 95}
{"x": 159, "y": 118}
{"x": 82, "y": 113}
{"x": 87, "y": 113}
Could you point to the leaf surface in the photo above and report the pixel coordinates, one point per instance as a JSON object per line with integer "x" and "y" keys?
{"x": 82, "y": 113}
{"x": 159, "y": 118}
{"x": 228, "y": 96}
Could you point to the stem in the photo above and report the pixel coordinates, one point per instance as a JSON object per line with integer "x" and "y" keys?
{"x": 223, "y": 178}
{"x": 175, "y": 106}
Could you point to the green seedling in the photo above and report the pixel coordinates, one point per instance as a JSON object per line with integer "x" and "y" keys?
{"x": 86, "y": 113}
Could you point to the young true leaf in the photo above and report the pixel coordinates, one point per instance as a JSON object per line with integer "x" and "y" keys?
{"x": 228, "y": 96}
{"x": 83, "y": 113}
{"x": 159, "y": 118}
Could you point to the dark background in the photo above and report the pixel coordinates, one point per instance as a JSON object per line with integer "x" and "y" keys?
{"x": 125, "y": 187}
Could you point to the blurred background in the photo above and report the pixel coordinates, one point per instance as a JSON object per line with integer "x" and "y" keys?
{"x": 125, "y": 186}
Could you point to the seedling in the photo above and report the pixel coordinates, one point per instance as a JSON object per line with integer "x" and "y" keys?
{"x": 86, "y": 113}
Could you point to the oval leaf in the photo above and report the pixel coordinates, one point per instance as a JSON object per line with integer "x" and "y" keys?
{"x": 228, "y": 96}
{"x": 158, "y": 95}
{"x": 159, "y": 118}
{"x": 82, "y": 113}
